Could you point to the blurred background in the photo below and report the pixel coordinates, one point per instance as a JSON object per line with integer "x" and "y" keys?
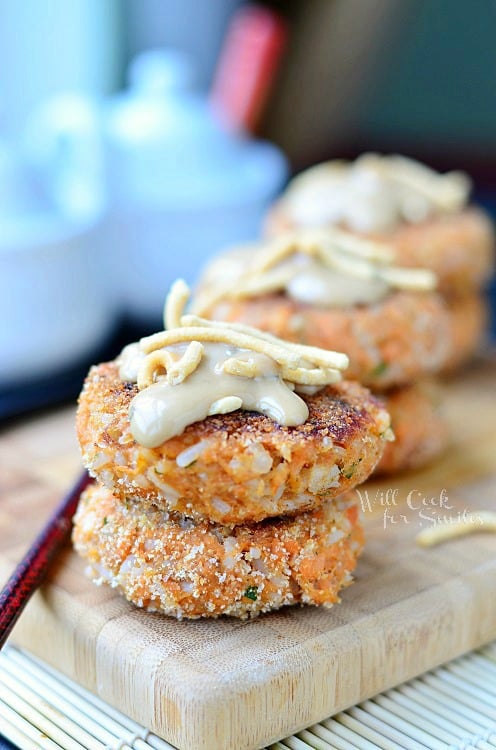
{"x": 402, "y": 74}
{"x": 137, "y": 137}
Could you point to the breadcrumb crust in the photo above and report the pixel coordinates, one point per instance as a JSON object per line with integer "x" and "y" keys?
{"x": 244, "y": 467}
{"x": 165, "y": 562}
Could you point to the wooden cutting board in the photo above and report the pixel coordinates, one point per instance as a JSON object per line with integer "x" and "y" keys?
{"x": 230, "y": 685}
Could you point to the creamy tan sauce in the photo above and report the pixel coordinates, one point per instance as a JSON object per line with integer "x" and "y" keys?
{"x": 333, "y": 289}
{"x": 161, "y": 411}
{"x": 129, "y": 361}
{"x": 373, "y": 194}
{"x": 307, "y": 280}
{"x": 314, "y": 284}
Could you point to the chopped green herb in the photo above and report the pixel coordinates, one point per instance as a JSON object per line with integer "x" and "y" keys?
{"x": 252, "y": 593}
{"x": 105, "y": 520}
{"x": 351, "y": 470}
{"x": 379, "y": 370}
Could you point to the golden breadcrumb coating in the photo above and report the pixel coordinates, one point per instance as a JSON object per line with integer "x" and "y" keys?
{"x": 459, "y": 248}
{"x": 238, "y": 467}
{"x": 167, "y": 563}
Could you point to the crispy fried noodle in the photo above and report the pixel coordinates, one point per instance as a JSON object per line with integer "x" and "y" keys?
{"x": 272, "y": 268}
{"x": 300, "y": 365}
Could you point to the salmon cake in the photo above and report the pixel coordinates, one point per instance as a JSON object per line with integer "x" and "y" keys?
{"x": 423, "y": 215}
{"x": 421, "y": 432}
{"x": 237, "y": 467}
{"x": 227, "y": 423}
{"x": 334, "y": 291}
{"x": 164, "y": 562}
{"x": 390, "y": 343}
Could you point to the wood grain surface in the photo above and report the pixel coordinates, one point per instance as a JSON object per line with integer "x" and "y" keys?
{"x": 231, "y": 685}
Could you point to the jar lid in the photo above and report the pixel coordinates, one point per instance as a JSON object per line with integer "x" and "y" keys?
{"x": 167, "y": 147}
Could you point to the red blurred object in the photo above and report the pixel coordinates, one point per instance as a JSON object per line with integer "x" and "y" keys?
{"x": 247, "y": 66}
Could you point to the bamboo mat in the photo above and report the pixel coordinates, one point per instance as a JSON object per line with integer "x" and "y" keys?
{"x": 452, "y": 707}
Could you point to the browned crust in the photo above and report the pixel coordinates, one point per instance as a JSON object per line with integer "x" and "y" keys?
{"x": 390, "y": 343}
{"x": 334, "y": 450}
{"x": 459, "y": 248}
{"x": 169, "y": 564}
{"x": 420, "y": 429}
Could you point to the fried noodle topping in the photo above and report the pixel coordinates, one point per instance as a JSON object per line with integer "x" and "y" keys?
{"x": 375, "y": 193}
{"x": 197, "y": 368}
{"x": 329, "y": 267}
{"x": 482, "y": 520}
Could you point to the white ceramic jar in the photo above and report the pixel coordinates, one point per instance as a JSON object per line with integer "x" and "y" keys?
{"x": 54, "y": 309}
{"x": 54, "y": 306}
{"x": 173, "y": 185}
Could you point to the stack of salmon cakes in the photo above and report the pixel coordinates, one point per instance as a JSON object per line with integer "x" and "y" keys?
{"x": 380, "y": 258}
{"x": 226, "y": 447}
{"x": 225, "y": 460}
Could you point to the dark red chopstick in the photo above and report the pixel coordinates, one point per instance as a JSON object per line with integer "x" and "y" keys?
{"x": 31, "y": 570}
